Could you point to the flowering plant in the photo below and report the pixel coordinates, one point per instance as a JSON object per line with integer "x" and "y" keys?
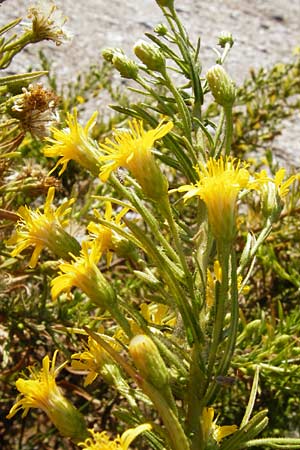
{"x": 175, "y": 201}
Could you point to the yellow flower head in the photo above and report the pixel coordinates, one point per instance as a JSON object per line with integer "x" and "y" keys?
{"x": 220, "y": 182}
{"x": 41, "y": 391}
{"x": 73, "y": 143}
{"x": 84, "y": 274}
{"x": 273, "y": 191}
{"x": 101, "y": 441}
{"x": 156, "y": 314}
{"x": 132, "y": 149}
{"x": 213, "y": 431}
{"x": 108, "y": 238}
{"x": 42, "y": 230}
{"x": 95, "y": 360}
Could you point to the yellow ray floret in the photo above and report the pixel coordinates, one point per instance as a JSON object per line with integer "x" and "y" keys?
{"x": 220, "y": 182}
{"x": 132, "y": 149}
{"x": 101, "y": 441}
{"x": 73, "y": 143}
{"x": 41, "y": 391}
{"x": 84, "y": 274}
{"x": 44, "y": 230}
{"x": 213, "y": 431}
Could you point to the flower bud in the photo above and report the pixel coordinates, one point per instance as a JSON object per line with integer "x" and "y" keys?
{"x": 125, "y": 66}
{"x": 221, "y": 86}
{"x": 150, "y": 55}
{"x": 108, "y": 54}
{"x": 147, "y": 359}
{"x": 161, "y": 29}
{"x": 272, "y": 203}
{"x": 165, "y": 3}
{"x": 225, "y": 38}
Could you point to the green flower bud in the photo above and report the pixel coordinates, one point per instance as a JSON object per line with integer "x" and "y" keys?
{"x": 147, "y": 359}
{"x": 165, "y": 3}
{"x": 125, "y": 66}
{"x": 225, "y": 38}
{"x": 272, "y": 204}
{"x": 161, "y": 29}
{"x": 108, "y": 54}
{"x": 221, "y": 86}
{"x": 150, "y": 55}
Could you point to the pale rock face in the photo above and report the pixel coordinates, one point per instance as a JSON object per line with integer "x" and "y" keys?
{"x": 264, "y": 33}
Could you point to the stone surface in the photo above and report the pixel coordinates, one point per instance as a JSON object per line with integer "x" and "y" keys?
{"x": 265, "y": 32}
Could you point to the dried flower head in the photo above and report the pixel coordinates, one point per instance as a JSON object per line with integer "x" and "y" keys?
{"x": 35, "y": 108}
{"x": 47, "y": 22}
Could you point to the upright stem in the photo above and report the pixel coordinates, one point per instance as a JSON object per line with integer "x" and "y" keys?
{"x": 221, "y": 298}
{"x": 229, "y": 129}
{"x": 174, "y": 231}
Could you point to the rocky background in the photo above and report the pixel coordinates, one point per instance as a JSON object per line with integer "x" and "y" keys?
{"x": 265, "y": 32}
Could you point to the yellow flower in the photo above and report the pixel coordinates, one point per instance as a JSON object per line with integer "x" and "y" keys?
{"x": 220, "y": 182}
{"x": 156, "y": 314}
{"x": 101, "y": 441}
{"x": 73, "y": 143}
{"x": 43, "y": 230}
{"x": 41, "y": 391}
{"x": 95, "y": 360}
{"x": 85, "y": 275}
{"x": 211, "y": 430}
{"x": 107, "y": 237}
{"x": 132, "y": 149}
{"x": 262, "y": 179}
{"x": 273, "y": 191}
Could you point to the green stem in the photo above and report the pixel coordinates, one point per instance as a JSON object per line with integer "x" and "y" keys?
{"x": 232, "y": 333}
{"x": 174, "y": 231}
{"x": 221, "y": 298}
{"x": 175, "y": 433}
{"x": 229, "y": 129}
{"x": 120, "y": 318}
{"x": 183, "y": 111}
{"x": 155, "y": 95}
{"x": 218, "y": 134}
{"x": 147, "y": 216}
{"x": 194, "y": 429}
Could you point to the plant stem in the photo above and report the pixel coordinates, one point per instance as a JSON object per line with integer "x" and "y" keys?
{"x": 229, "y": 129}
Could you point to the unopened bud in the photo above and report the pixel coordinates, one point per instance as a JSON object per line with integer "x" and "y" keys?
{"x": 165, "y": 3}
{"x": 161, "y": 29}
{"x": 272, "y": 203}
{"x": 225, "y": 38}
{"x": 150, "y": 55}
{"x": 125, "y": 66}
{"x": 221, "y": 86}
{"x": 147, "y": 359}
